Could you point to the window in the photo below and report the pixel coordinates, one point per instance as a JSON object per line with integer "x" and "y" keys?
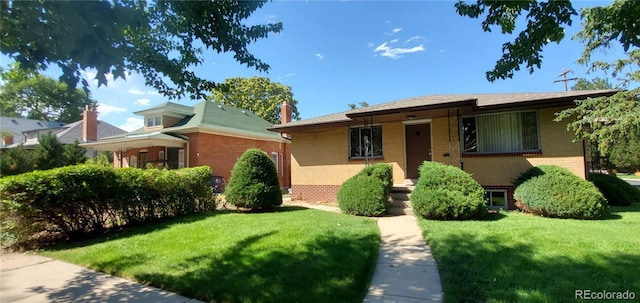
{"x": 133, "y": 162}
{"x": 181, "y": 158}
{"x": 154, "y": 121}
{"x": 503, "y": 132}
{"x": 496, "y": 198}
{"x": 365, "y": 142}
{"x": 161, "y": 155}
{"x": 274, "y": 158}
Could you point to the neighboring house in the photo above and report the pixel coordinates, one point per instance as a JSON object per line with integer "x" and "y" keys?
{"x": 503, "y": 135}
{"x": 27, "y": 132}
{"x": 207, "y": 133}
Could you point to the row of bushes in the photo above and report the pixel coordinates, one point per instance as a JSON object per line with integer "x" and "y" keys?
{"x": 80, "y": 200}
{"x": 365, "y": 194}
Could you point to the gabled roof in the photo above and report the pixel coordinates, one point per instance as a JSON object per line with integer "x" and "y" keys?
{"x": 209, "y": 117}
{"x": 69, "y": 133}
{"x": 17, "y": 126}
{"x": 476, "y": 101}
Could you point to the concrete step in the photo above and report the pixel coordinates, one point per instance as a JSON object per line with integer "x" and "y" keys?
{"x": 400, "y": 196}
{"x": 395, "y": 210}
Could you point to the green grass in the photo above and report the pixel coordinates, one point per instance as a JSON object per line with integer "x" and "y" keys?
{"x": 291, "y": 255}
{"x": 628, "y": 176}
{"x": 514, "y": 257}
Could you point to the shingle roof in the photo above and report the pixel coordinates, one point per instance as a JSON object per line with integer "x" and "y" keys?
{"x": 16, "y": 126}
{"x": 478, "y": 101}
{"x": 218, "y": 118}
{"x": 73, "y": 131}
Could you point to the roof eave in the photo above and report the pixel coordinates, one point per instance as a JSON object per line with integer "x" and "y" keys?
{"x": 466, "y": 102}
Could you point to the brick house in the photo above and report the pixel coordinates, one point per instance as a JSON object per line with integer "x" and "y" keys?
{"x": 207, "y": 133}
{"x": 502, "y": 135}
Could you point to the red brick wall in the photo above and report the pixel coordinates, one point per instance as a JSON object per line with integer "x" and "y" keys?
{"x": 314, "y": 193}
{"x": 221, "y": 153}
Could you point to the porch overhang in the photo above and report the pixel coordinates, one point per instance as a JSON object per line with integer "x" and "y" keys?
{"x": 136, "y": 141}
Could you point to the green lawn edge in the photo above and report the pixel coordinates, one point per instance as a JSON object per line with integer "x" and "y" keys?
{"x": 516, "y": 257}
{"x": 294, "y": 254}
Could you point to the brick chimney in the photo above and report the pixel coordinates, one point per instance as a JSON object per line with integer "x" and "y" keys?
{"x": 285, "y": 112}
{"x": 89, "y": 124}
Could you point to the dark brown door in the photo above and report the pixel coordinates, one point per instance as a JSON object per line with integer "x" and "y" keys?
{"x": 418, "y": 147}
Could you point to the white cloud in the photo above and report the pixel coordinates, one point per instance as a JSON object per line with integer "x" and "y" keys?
{"x": 370, "y": 45}
{"x": 396, "y": 52}
{"x": 396, "y": 30}
{"x": 320, "y": 56}
{"x": 142, "y": 102}
{"x": 153, "y": 92}
{"x": 105, "y": 109}
{"x": 289, "y": 74}
{"x": 413, "y": 39}
{"x": 135, "y": 91}
{"x": 132, "y": 124}
{"x": 394, "y": 41}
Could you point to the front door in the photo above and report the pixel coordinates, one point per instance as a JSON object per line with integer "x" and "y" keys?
{"x": 418, "y": 147}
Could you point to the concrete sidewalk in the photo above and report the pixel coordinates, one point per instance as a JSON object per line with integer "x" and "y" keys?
{"x": 32, "y": 278}
{"x": 406, "y": 270}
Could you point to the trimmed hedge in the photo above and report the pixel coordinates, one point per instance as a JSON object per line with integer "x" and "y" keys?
{"x": 81, "y": 200}
{"x": 365, "y": 194}
{"x": 254, "y": 182}
{"x": 552, "y": 191}
{"x": 362, "y": 195}
{"x": 382, "y": 172}
{"x": 444, "y": 192}
{"x": 616, "y": 191}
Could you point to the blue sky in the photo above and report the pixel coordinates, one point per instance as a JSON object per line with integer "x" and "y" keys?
{"x": 334, "y": 53}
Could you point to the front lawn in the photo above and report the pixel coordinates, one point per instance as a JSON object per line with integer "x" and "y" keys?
{"x": 515, "y": 257}
{"x": 291, "y": 255}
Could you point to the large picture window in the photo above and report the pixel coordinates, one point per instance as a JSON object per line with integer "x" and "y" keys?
{"x": 365, "y": 141}
{"x": 502, "y": 132}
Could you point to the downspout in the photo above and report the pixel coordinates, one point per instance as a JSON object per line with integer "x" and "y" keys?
{"x": 584, "y": 159}
{"x": 460, "y": 164}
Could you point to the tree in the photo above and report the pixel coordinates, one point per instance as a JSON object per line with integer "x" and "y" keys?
{"x": 257, "y": 94}
{"x": 34, "y": 96}
{"x": 49, "y": 153}
{"x": 162, "y": 40}
{"x": 362, "y": 104}
{"x": 15, "y": 161}
{"x": 545, "y": 24}
{"x": 73, "y": 154}
{"x": 593, "y": 84}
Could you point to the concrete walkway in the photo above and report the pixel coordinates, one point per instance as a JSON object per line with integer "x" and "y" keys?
{"x": 31, "y": 278}
{"x": 406, "y": 270}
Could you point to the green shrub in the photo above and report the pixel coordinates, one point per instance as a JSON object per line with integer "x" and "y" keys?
{"x": 553, "y": 191}
{"x": 445, "y": 192}
{"x": 362, "y": 195}
{"x": 616, "y": 191}
{"x": 81, "y": 200}
{"x": 254, "y": 182}
{"x": 381, "y": 171}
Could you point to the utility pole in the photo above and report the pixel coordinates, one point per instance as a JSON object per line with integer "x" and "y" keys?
{"x": 565, "y": 79}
